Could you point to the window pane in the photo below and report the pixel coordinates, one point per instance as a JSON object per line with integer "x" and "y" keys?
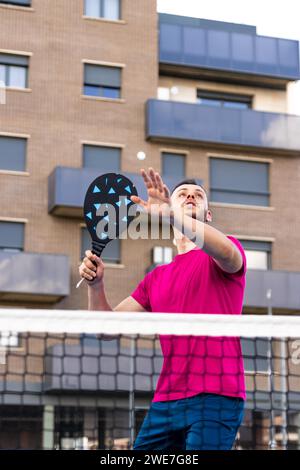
{"x": 18, "y": 2}
{"x": 92, "y": 8}
{"x": 13, "y": 59}
{"x": 162, "y": 255}
{"x": 11, "y": 250}
{"x": 9, "y": 339}
{"x": 240, "y": 182}
{"x": 235, "y": 105}
{"x": 109, "y": 92}
{"x": 168, "y": 254}
{"x": 173, "y": 165}
{"x": 210, "y": 102}
{"x": 86, "y": 242}
{"x": 2, "y": 74}
{"x": 11, "y": 235}
{"x": 12, "y": 153}
{"x": 17, "y": 76}
{"x": 255, "y": 352}
{"x": 257, "y": 245}
{"x": 232, "y": 197}
{"x": 106, "y": 159}
{"x": 111, "y": 9}
{"x": 91, "y": 90}
{"x": 227, "y": 100}
{"x": 100, "y": 75}
{"x": 163, "y": 93}
{"x": 157, "y": 254}
{"x": 111, "y": 252}
{"x": 256, "y": 259}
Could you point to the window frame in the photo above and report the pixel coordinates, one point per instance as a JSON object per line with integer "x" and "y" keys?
{"x": 17, "y": 3}
{"x": 86, "y": 83}
{"x": 177, "y": 154}
{"x": 16, "y": 137}
{"x": 85, "y": 147}
{"x": 7, "y": 71}
{"x": 224, "y": 97}
{"x": 215, "y": 189}
{"x": 99, "y": 87}
{"x": 10, "y": 248}
{"x": 102, "y": 10}
{"x": 265, "y": 247}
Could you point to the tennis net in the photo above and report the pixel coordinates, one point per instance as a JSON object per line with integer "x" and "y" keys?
{"x": 86, "y": 380}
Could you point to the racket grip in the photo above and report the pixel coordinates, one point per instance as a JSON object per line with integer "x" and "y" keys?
{"x": 97, "y": 248}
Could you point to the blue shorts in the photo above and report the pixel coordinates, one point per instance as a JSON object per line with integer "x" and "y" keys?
{"x": 203, "y": 422}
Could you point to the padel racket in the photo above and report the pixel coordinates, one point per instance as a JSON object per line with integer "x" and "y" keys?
{"x": 106, "y": 209}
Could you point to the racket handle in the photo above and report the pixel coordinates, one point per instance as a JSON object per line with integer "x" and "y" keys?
{"x": 97, "y": 248}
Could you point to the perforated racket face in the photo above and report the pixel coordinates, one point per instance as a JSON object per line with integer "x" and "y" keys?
{"x": 106, "y": 204}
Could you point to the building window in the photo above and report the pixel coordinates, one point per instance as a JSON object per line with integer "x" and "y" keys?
{"x": 9, "y": 340}
{"x": 239, "y": 182}
{"x": 109, "y": 9}
{"x": 255, "y": 354}
{"x": 110, "y": 254}
{"x": 21, "y": 426}
{"x": 14, "y": 70}
{"x": 163, "y": 93}
{"x": 224, "y": 100}
{"x": 162, "y": 255}
{"x": 173, "y": 165}
{"x": 69, "y": 427}
{"x": 258, "y": 254}
{"x": 106, "y": 159}
{"x": 11, "y": 241}
{"x": 100, "y": 80}
{"x": 12, "y": 153}
{"x": 22, "y": 3}
{"x": 11, "y": 236}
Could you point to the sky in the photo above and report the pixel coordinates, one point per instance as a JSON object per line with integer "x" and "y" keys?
{"x": 272, "y": 18}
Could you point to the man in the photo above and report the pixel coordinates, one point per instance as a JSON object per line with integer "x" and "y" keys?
{"x": 199, "y": 398}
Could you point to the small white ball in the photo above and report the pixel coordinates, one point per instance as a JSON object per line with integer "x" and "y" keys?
{"x": 141, "y": 155}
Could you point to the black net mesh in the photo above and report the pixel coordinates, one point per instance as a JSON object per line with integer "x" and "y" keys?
{"x": 92, "y": 391}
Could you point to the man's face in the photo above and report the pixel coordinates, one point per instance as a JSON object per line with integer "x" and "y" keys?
{"x": 192, "y": 200}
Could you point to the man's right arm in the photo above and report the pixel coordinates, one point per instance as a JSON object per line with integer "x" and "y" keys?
{"x": 94, "y": 276}
{"x": 97, "y": 301}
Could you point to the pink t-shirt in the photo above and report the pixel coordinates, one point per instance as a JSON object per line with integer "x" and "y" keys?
{"x": 194, "y": 283}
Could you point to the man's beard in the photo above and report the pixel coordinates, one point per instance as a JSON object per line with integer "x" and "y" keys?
{"x": 204, "y": 219}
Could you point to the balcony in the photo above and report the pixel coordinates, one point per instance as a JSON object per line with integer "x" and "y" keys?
{"x": 67, "y": 187}
{"x": 34, "y": 277}
{"x": 171, "y": 121}
{"x": 215, "y": 50}
{"x": 284, "y": 286}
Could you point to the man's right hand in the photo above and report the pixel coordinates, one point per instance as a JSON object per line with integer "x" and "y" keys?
{"x": 91, "y": 273}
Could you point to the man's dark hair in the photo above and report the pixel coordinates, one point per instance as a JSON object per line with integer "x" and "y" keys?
{"x": 188, "y": 181}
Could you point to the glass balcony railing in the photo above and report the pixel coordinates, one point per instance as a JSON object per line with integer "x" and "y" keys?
{"x": 170, "y": 120}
